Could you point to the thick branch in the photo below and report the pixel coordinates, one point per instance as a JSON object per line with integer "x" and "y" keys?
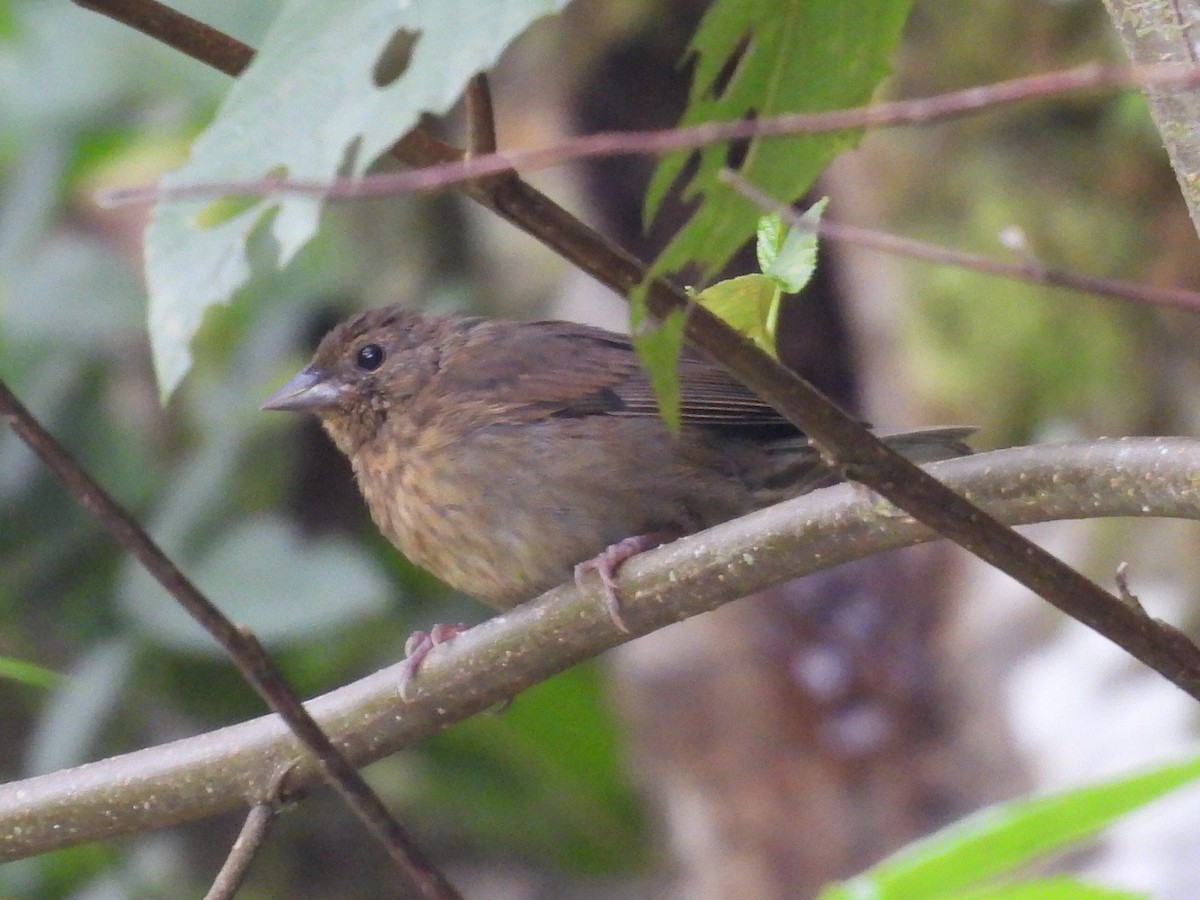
{"x": 224, "y": 769}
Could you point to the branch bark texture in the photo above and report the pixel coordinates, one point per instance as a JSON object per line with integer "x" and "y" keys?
{"x": 1168, "y": 31}
{"x": 238, "y": 765}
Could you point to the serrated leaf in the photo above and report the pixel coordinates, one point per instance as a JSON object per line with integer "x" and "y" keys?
{"x": 749, "y": 304}
{"x": 658, "y": 345}
{"x": 308, "y": 106}
{"x": 792, "y": 56}
{"x": 794, "y": 264}
{"x": 995, "y": 841}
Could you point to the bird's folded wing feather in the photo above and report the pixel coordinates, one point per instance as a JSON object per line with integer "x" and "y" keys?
{"x": 566, "y": 369}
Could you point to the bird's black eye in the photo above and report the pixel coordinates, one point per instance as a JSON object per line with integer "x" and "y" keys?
{"x": 369, "y": 357}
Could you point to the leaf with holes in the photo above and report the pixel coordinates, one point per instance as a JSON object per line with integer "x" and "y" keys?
{"x": 333, "y": 86}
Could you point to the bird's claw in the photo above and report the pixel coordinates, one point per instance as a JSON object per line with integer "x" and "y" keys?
{"x": 417, "y": 647}
{"x": 607, "y": 561}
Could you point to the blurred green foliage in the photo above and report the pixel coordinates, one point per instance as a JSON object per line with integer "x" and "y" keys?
{"x": 977, "y": 856}
{"x": 88, "y": 104}
{"x": 1079, "y": 183}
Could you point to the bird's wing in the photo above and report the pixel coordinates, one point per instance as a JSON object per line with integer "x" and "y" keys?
{"x": 567, "y": 369}
{"x": 708, "y": 396}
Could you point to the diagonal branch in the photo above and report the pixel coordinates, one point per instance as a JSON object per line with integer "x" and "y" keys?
{"x": 492, "y": 662}
{"x": 250, "y": 839}
{"x": 176, "y": 30}
{"x": 242, "y": 646}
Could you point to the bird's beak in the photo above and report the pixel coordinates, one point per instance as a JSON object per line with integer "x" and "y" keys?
{"x": 309, "y": 391}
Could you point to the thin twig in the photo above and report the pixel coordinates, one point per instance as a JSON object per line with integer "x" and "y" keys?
{"x": 922, "y": 110}
{"x": 1030, "y": 271}
{"x": 237, "y": 864}
{"x": 251, "y": 837}
{"x": 178, "y": 31}
{"x": 242, "y": 647}
{"x": 481, "y": 117}
{"x": 1128, "y": 597}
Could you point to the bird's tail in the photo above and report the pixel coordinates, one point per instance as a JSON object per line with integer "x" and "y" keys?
{"x": 930, "y": 444}
{"x": 799, "y": 467}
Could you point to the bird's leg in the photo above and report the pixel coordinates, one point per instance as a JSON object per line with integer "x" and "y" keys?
{"x": 417, "y": 647}
{"x": 607, "y": 561}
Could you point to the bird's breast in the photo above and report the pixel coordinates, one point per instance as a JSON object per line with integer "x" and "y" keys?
{"x": 474, "y": 511}
{"x": 504, "y": 511}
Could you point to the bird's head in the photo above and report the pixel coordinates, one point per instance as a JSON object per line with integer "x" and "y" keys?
{"x": 362, "y": 370}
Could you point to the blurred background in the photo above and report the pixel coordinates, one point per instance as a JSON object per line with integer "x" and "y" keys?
{"x": 759, "y": 751}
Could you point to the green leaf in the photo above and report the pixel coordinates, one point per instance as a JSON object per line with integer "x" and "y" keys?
{"x": 997, "y": 840}
{"x": 74, "y": 717}
{"x": 749, "y": 304}
{"x": 1062, "y": 887}
{"x": 560, "y": 776}
{"x": 264, "y": 575}
{"x": 27, "y": 673}
{"x": 659, "y": 344}
{"x": 308, "y": 106}
{"x": 795, "y": 56}
{"x": 793, "y": 265}
{"x": 771, "y": 232}
{"x": 8, "y": 22}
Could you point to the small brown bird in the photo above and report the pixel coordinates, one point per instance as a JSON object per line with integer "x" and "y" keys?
{"x": 504, "y": 457}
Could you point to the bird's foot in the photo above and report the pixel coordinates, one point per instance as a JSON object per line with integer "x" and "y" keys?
{"x": 417, "y": 647}
{"x": 607, "y": 561}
